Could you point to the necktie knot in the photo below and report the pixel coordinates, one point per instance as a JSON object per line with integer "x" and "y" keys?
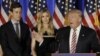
{"x": 16, "y": 23}
{"x": 74, "y": 30}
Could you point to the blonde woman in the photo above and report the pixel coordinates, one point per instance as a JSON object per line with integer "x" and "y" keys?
{"x": 44, "y": 34}
{"x": 44, "y": 23}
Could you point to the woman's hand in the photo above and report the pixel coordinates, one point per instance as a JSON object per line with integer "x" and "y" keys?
{"x": 38, "y": 37}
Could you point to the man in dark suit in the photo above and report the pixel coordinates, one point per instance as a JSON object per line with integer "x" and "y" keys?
{"x": 15, "y": 35}
{"x": 76, "y": 38}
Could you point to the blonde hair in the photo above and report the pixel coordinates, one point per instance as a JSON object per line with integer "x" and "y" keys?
{"x": 75, "y": 11}
{"x": 66, "y": 22}
{"x": 40, "y": 27}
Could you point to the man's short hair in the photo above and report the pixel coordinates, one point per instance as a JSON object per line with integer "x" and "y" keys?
{"x": 15, "y": 5}
{"x": 75, "y": 11}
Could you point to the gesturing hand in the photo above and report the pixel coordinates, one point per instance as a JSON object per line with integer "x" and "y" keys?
{"x": 38, "y": 37}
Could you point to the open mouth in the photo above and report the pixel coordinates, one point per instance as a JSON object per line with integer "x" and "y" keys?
{"x": 71, "y": 23}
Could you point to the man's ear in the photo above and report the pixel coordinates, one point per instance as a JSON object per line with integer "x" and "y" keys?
{"x": 10, "y": 14}
{"x": 80, "y": 19}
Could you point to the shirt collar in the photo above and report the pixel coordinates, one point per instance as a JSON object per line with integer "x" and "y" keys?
{"x": 78, "y": 28}
{"x": 14, "y": 21}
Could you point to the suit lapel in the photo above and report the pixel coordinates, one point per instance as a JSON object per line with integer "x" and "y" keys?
{"x": 11, "y": 29}
{"x": 22, "y": 30}
{"x": 81, "y": 38}
{"x": 12, "y": 34}
{"x": 68, "y": 39}
{"x": 13, "y": 40}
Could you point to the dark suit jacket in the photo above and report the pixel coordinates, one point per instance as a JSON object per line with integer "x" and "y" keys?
{"x": 11, "y": 44}
{"x": 87, "y": 40}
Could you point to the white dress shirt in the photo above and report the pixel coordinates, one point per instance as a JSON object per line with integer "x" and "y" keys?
{"x": 14, "y": 22}
{"x": 77, "y": 35}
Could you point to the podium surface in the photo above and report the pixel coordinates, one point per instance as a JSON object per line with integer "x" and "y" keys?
{"x": 76, "y": 54}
